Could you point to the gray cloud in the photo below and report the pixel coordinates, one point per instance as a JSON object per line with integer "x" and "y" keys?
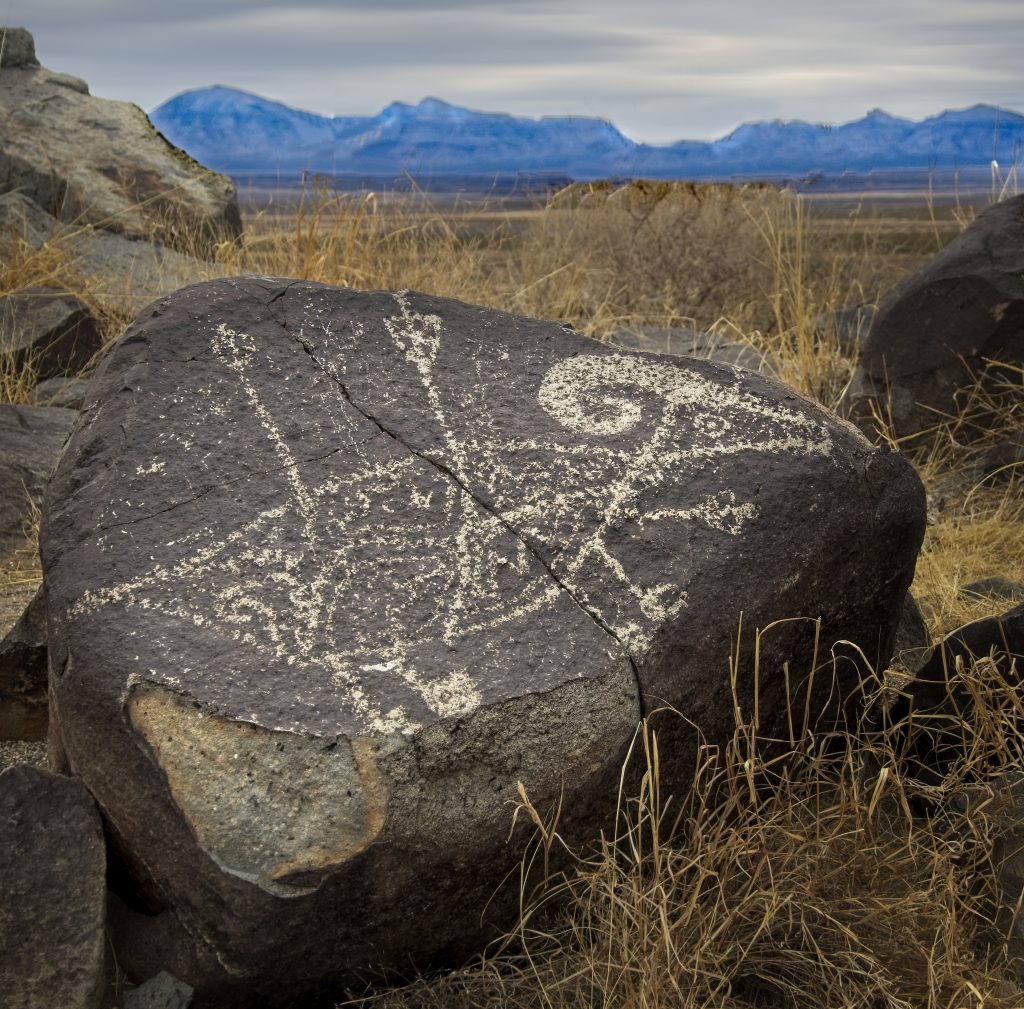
{"x": 660, "y": 69}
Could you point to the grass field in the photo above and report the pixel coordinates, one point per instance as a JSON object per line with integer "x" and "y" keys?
{"x": 795, "y": 880}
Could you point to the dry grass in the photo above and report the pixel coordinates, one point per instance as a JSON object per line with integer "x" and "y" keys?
{"x": 976, "y": 499}
{"x": 799, "y": 879}
{"x": 807, "y": 877}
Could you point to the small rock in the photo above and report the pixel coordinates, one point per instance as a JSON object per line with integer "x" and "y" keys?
{"x": 1002, "y": 460}
{"x": 17, "y": 49}
{"x": 685, "y": 342}
{"x": 912, "y": 632}
{"x": 934, "y": 694}
{"x": 995, "y": 587}
{"x": 31, "y": 438}
{"x": 161, "y": 992}
{"x": 52, "y": 916}
{"x": 64, "y": 392}
{"x": 49, "y": 330}
{"x": 23, "y": 675}
{"x": 849, "y": 326}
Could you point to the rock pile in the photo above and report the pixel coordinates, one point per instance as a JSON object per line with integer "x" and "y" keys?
{"x": 365, "y": 562}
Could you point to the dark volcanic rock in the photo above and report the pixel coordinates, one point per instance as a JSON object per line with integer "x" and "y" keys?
{"x": 330, "y": 572}
{"x": 23, "y": 702}
{"x": 125, "y": 271}
{"x": 49, "y": 329}
{"x": 64, "y": 392}
{"x": 939, "y": 331}
{"x": 31, "y": 438}
{"x": 912, "y": 632}
{"x": 999, "y": 588}
{"x": 52, "y": 863}
{"x": 692, "y": 343}
{"x": 848, "y": 326}
{"x": 937, "y": 694}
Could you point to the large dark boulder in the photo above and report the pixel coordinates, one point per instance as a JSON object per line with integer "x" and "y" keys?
{"x": 330, "y": 572}
{"x": 53, "y": 911}
{"x": 940, "y": 332}
{"x": 95, "y": 162}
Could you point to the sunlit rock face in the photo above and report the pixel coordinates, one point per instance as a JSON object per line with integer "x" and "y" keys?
{"x": 331, "y": 572}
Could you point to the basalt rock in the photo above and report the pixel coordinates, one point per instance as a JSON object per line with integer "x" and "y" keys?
{"x": 23, "y": 674}
{"x": 94, "y": 162}
{"x": 957, "y": 323}
{"x": 52, "y": 916}
{"x": 30, "y": 440}
{"x": 129, "y": 272}
{"x": 48, "y": 330}
{"x": 692, "y": 343}
{"x": 331, "y": 572}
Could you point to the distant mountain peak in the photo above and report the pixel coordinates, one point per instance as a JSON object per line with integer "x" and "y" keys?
{"x": 238, "y": 131}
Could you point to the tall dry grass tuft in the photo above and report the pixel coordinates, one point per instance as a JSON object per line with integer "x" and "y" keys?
{"x": 806, "y": 876}
{"x": 972, "y": 464}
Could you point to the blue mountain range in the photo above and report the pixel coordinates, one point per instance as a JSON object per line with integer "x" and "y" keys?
{"x": 241, "y": 133}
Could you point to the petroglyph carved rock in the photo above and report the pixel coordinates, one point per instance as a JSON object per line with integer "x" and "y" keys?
{"x": 330, "y": 572}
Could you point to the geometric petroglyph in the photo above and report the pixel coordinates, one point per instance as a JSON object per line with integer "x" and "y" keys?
{"x": 391, "y": 561}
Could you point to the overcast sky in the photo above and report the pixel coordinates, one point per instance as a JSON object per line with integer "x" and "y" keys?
{"x": 661, "y": 70}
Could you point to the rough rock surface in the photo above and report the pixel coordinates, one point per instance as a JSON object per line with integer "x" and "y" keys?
{"x": 160, "y": 992}
{"x": 121, "y": 270}
{"x": 23, "y": 674}
{"x": 23, "y": 751}
{"x": 31, "y": 438}
{"x": 49, "y": 330}
{"x": 692, "y": 343}
{"x": 994, "y": 587}
{"x": 934, "y": 334}
{"x": 17, "y": 49}
{"x": 52, "y": 916}
{"x": 912, "y": 632}
{"x": 329, "y": 572}
{"x": 849, "y": 327}
{"x": 931, "y": 693}
{"x": 97, "y": 162}
{"x": 64, "y": 392}
{"x": 30, "y": 441}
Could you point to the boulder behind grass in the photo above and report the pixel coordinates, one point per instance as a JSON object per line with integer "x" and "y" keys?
{"x": 333, "y": 574}
{"x": 956, "y": 323}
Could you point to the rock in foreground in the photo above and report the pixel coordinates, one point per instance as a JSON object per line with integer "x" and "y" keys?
{"x": 329, "y": 572}
{"x": 52, "y": 916}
